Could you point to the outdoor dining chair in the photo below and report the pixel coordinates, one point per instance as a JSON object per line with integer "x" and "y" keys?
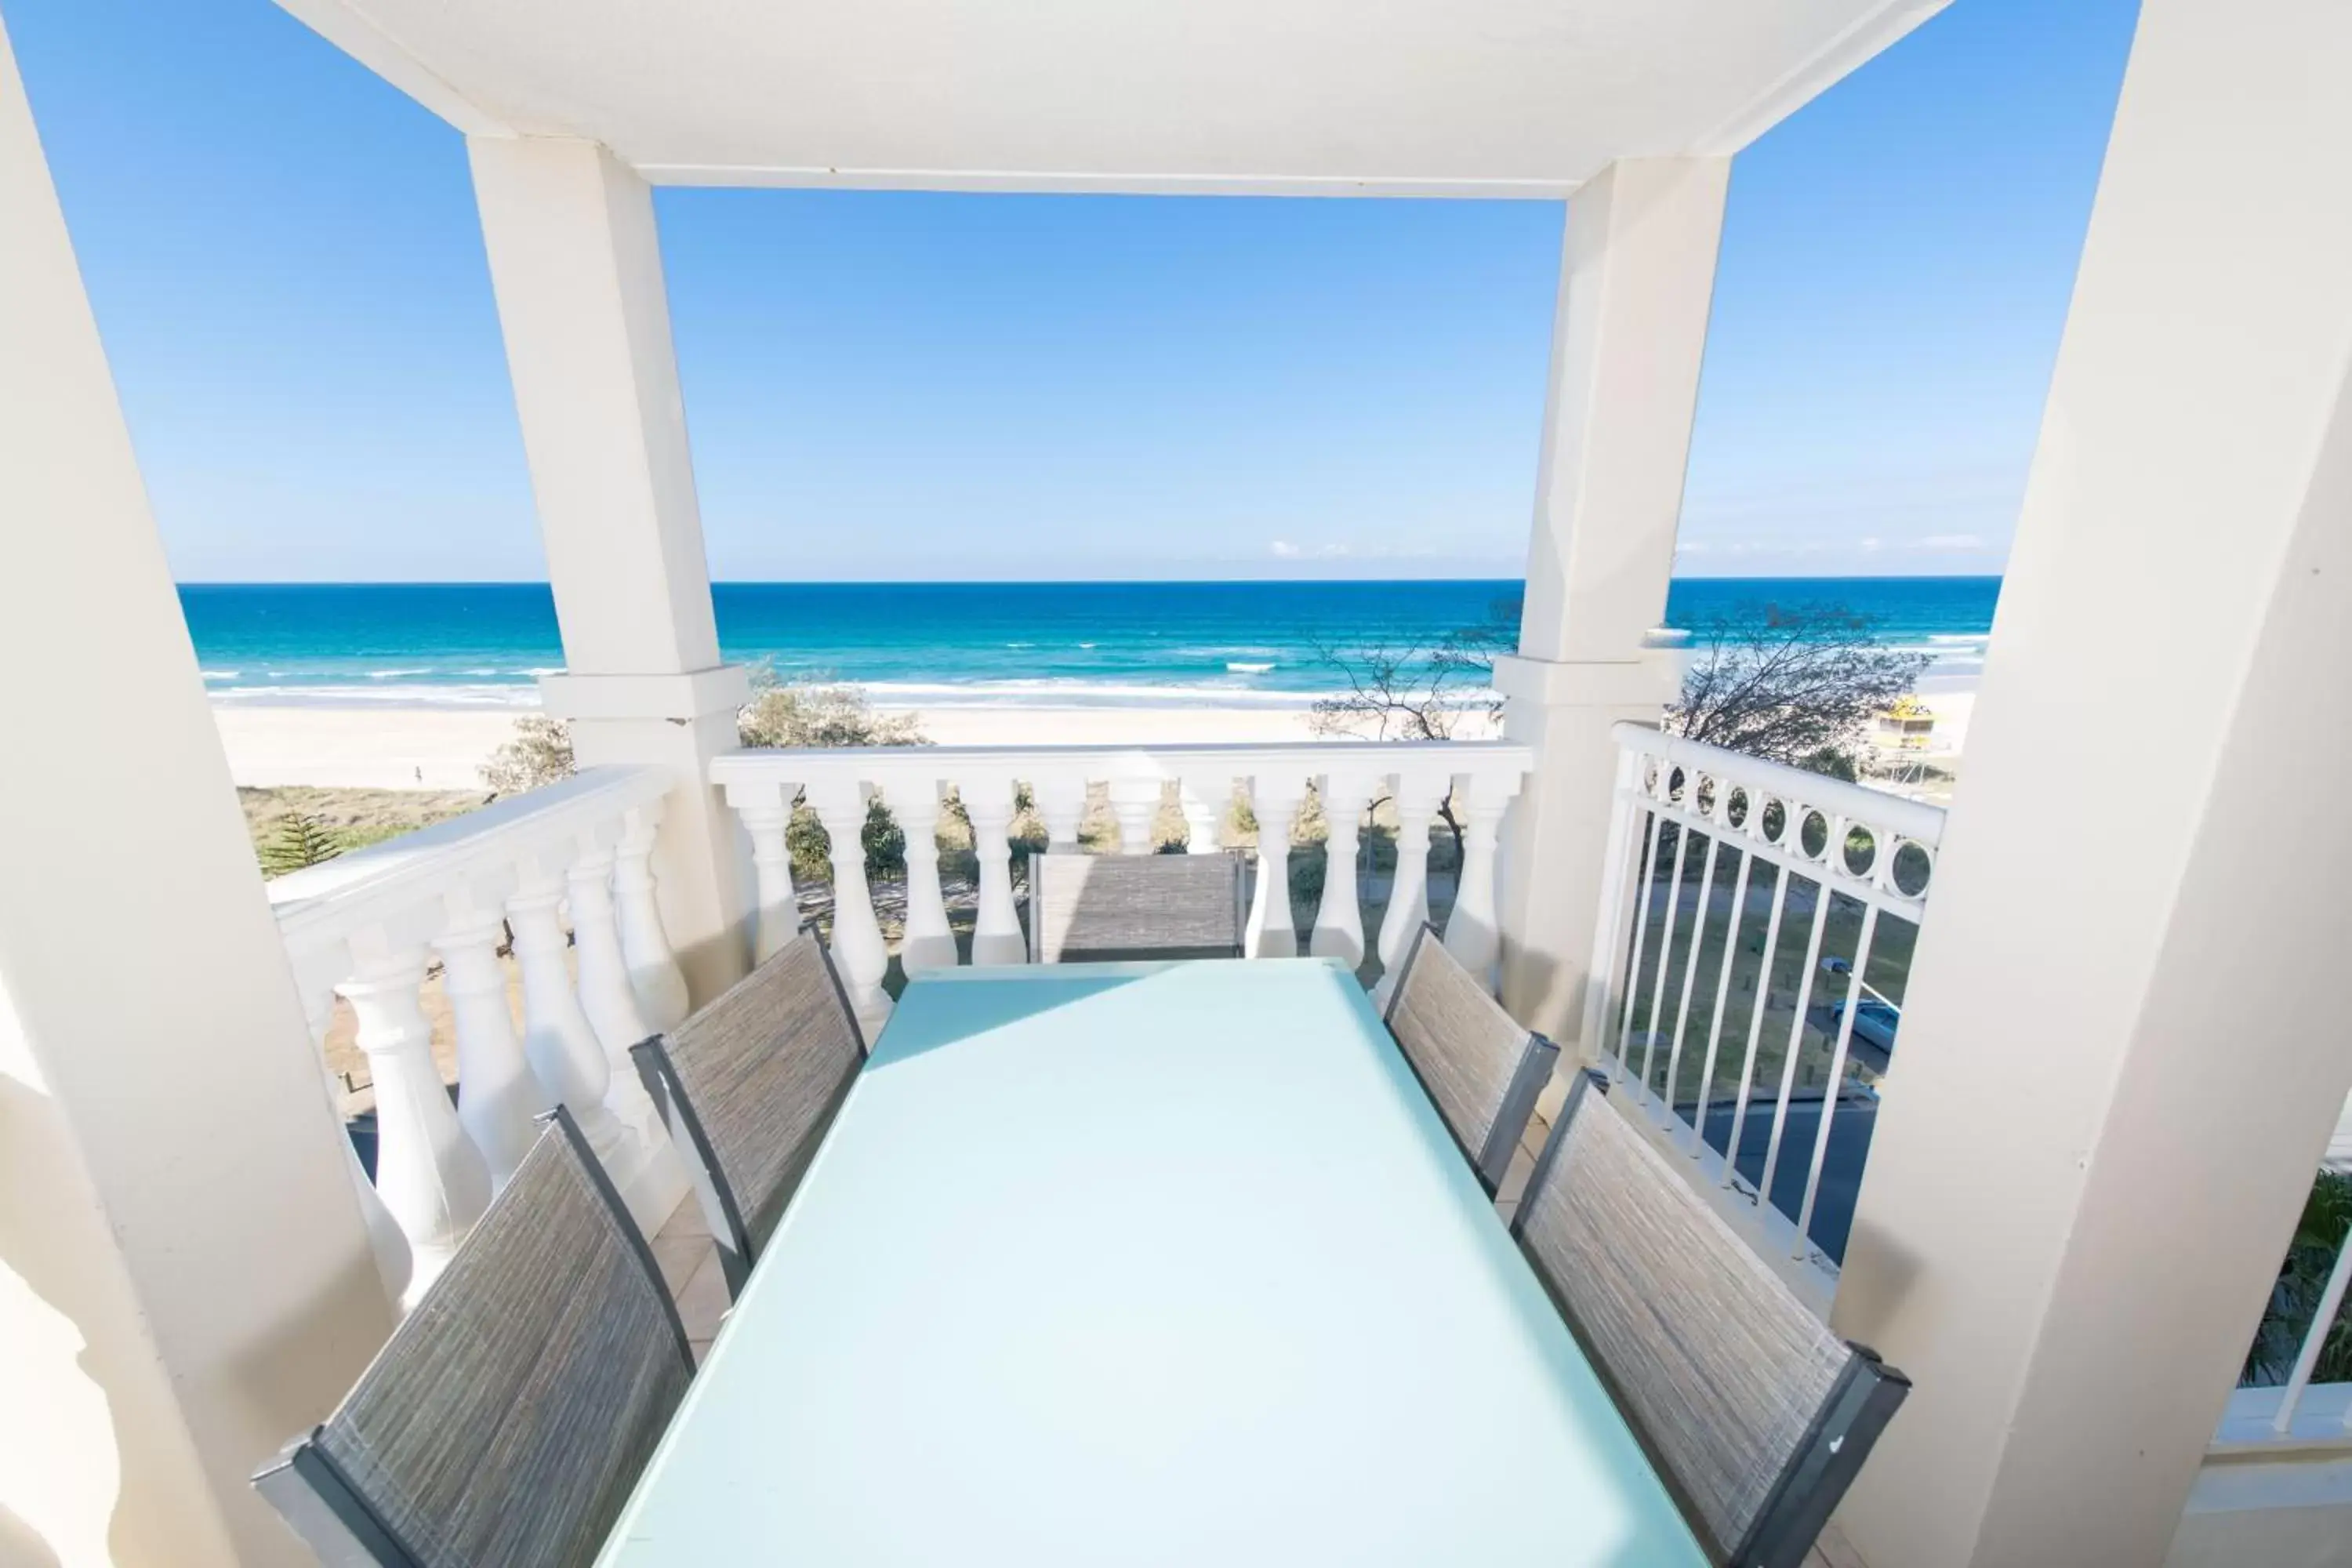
{"x": 1482, "y": 1069}
{"x": 1106, "y": 907}
{"x": 1757, "y": 1415}
{"x": 750, "y": 1083}
{"x": 504, "y": 1424}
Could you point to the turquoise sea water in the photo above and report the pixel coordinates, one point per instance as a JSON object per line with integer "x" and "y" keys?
{"x": 939, "y": 645}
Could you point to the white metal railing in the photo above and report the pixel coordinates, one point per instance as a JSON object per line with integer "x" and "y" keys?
{"x": 2299, "y": 1412}
{"x": 1802, "y": 853}
{"x": 1141, "y": 781}
{"x": 368, "y": 925}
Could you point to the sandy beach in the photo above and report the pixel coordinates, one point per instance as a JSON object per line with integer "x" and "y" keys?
{"x": 382, "y": 747}
{"x": 270, "y": 747}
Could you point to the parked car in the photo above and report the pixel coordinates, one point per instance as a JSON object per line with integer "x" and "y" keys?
{"x": 1873, "y": 1022}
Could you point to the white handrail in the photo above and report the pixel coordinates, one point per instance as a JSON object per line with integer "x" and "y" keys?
{"x": 1686, "y": 809}
{"x": 1481, "y": 776}
{"x": 367, "y": 926}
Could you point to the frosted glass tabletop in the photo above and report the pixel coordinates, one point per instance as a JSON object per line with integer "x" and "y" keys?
{"x": 1144, "y": 1265}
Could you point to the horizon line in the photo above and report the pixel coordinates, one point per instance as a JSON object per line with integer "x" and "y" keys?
{"x": 1061, "y": 582}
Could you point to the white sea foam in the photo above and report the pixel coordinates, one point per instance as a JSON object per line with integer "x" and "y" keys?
{"x": 1247, "y": 668}
{"x": 218, "y": 674}
{"x": 1081, "y": 694}
{"x": 388, "y": 695}
{"x": 394, "y": 674}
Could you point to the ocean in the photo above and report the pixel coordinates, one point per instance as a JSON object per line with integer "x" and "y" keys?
{"x": 955, "y": 643}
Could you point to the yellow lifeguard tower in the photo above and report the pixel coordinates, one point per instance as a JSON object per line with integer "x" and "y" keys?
{"x": 1909, "y": 726}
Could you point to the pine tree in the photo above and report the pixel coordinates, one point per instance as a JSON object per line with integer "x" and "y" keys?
{"x": 300, "y": 841}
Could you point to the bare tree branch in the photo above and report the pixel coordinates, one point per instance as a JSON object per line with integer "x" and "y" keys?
{"x": 1797, "y": 684}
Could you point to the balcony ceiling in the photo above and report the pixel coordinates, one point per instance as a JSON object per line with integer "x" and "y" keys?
{"x": 1505, "y": 98}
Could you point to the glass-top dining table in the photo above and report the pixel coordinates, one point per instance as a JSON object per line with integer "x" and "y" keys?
{"x": 1144, "y": 1264}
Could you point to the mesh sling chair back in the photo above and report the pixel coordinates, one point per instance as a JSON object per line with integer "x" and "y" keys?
{"x": 1757, "y": 1415}
{"x": 1481, "y": 1068}
{"x": 1106, "y": 907}
{"x": 751, "y": 1083}
{"x": 506, "y": 1420}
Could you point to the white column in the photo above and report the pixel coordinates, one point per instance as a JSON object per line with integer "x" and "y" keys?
{"x": 2122, "y": 1049}
{"x": 1338, "y": 918}
{"x": 428, "y": 1171}
{"x": 1470, "y": 934}
{"x": 557, "y": 1040}
{"x": 1417, "y": 797}
{"x": 497, "y": 1094}
{"x": 576, "y": 266}
{"x": 187, "y": 1278}
{"x": 654, "y": 973}
{"x": 928, "y": 943}
{"x": 1637, "y": 273}
{"x": 858, "y": 951}
{"x": 779, "y": 919}
{"x": 1274, "y": 800}
{"x": 996, "y": 929}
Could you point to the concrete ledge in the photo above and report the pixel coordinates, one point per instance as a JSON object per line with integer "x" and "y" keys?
{"x": 1650, "y": 680}
{"x": 721, "y": 689}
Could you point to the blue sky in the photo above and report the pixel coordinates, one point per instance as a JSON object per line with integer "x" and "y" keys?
{"x": 285, "y": 261}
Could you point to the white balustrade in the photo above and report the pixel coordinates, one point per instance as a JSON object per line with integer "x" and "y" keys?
{"x": 1474, "y": 930}
{"x": 1679, "y": 990}
{"x": 912, "y": 780}
{"x": 858, "y": 949}
{"x": 557, "y": 1040}
{"x": 653, "y": 973}
{"x": 996, "y": 925}
{"x": 1204, "y": 813}
{"x": 498, "y": 1095}
{"x": 428, "y": 1171}
{"x": 394, "y": 1265}
{"x": 1274, "y": 799}
{"x": 928, "y": 943}
{"x": 771, "y": 867}
{"x": 366, "y": 925}
{"x": 1417, "y": 793}
{"x": 1339, "y": 920}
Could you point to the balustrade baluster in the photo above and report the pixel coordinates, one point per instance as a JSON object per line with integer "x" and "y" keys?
{"x": 1474, "y": 930}
{"x": 557, "y": 1040}
{"x": 393, "y": 1264}
{"x": 654, "y": 974}
{"x": 928, "y": 943}
{"x": 996, "y": 929}
{"x": 428, "y": 1171}
{"x": 1416, "y": 798}
{"x": 498, "y": 1096}
{"x": 772, "y": 865}
{"x": 1062, "y": 804}
{"x": 1338, "y": 920}
{"x": 858, "y": 951}
{"x": 1135, "y": 801}
{"x": 605, "y": 995}
{"x": 1204, "y": 813}
{"x": 1274, "y": 799}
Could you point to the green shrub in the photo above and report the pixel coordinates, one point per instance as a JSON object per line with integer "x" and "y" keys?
{"x": 2295, "y": 1297}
